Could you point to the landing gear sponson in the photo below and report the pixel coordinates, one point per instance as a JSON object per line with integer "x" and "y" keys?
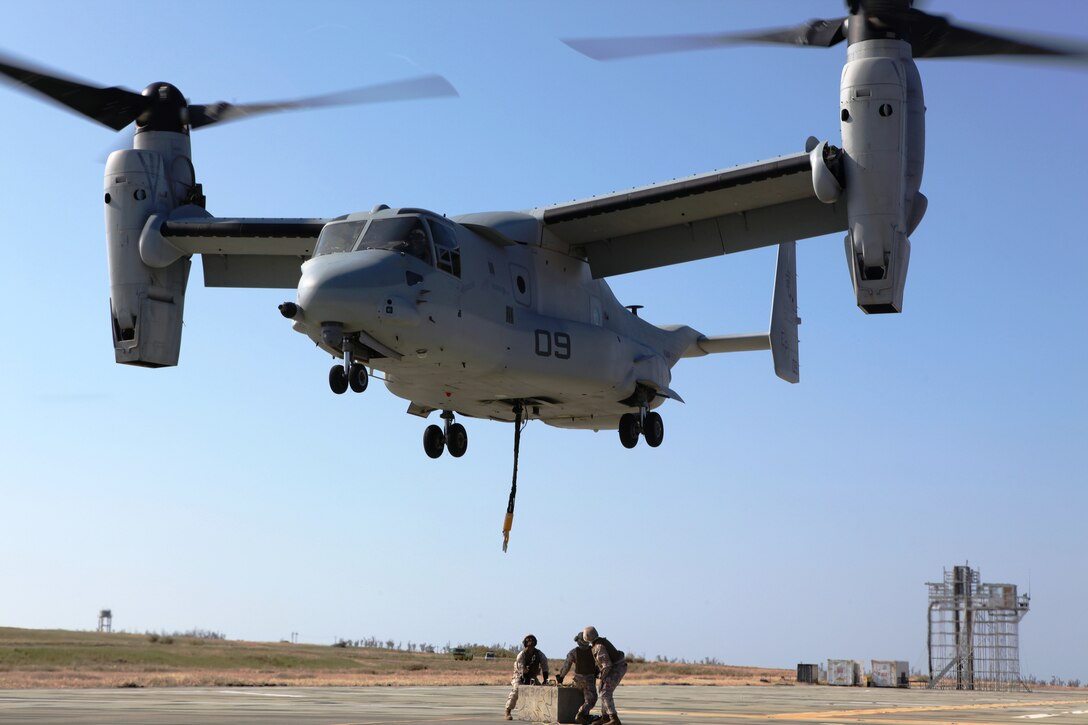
{"x": 453, "y": 438}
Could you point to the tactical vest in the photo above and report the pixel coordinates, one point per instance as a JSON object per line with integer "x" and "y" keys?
{"x": 531, "y": 666}
{"x": 614, "y": 655}
{"x": 583, "y": 661}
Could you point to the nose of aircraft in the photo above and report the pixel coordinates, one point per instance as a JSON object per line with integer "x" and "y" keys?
{"x": 347, "y": 288}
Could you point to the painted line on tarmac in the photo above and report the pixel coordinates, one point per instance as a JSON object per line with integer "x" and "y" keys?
{"x": 406, "y": 722}
{"x": 1040, "y": 715}
{"x": 256, "y": 694}
{"x": 845, "y": 716}
{"x": 923, "y": 708}
{"x": 860, "y": 716}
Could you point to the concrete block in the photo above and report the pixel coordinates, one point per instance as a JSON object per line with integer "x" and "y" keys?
{"x": 548, "y": 703}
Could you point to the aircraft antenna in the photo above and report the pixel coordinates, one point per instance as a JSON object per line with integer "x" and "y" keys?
{"x": 509, "y": 522}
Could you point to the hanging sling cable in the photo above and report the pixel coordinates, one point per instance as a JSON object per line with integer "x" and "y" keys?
{"x": 509, "y": 522}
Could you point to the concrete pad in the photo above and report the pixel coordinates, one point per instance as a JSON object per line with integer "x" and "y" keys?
{"x": 638, "y": 705}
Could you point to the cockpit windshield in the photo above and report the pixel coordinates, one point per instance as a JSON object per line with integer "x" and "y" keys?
{"x": 338, "y": 237}
{"x": 396, "y": 234}
{"x": 399, "y": 234}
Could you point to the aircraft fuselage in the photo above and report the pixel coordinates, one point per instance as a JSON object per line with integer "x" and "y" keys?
{"x": 463, "y": 322}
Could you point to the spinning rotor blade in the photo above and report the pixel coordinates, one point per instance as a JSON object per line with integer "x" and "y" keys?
{"x": 431, "y": 86}
{"x": 818, "y": 33}
{"x": 936, "y": 37}
{"x": 113, "y": 107}
{"x": 162, "y": 107}
{"x": 930, "y": 36}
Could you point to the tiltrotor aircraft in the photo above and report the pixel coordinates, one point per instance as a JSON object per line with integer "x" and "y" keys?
{"x": 507, "y": 315}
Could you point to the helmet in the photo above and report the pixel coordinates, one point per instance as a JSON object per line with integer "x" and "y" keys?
{"x": 578, "y": 638}
{"x": 529, "y": 640}
{"x": 589, "y": 634}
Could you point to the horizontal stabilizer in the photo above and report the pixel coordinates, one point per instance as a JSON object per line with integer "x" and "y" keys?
{"x": 732, "y": 343}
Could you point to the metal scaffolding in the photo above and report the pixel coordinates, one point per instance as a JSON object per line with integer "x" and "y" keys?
{"x": 974, "y": 633}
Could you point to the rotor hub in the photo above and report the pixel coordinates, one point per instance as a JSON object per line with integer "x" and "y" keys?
{"x": 167, "y": 109}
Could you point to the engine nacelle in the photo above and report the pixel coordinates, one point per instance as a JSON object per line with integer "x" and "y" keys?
{"x": 146, "y": 303}
{"x": 826, "y": 162}
{"x": 882, "y": 116}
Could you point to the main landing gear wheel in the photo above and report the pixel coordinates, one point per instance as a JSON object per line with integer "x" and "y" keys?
{"x": 357, "y": 377}
{"x": 629, "y": 430}
{"x": 457, "y": 440}
{"x": 453, "y": 439}
{"x": 653, "y": 430}
{"x": 338, "y": 379}
{"x": 434, "y": 441}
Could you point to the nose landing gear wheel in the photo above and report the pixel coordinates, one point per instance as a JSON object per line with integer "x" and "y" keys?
{"x": 457, "y": 440}
{"x": 653, "y": 430}
{"x": 338, "y": 379}
{"x": 357, "y": 377}
{"x": 434, "y": 441}
{"x": 629, "y": 430}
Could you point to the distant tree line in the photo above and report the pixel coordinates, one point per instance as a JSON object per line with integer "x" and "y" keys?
{"x": 163, "y": 637}
{"x": 1053, "y": 681}
{"x": 500, "y": 649}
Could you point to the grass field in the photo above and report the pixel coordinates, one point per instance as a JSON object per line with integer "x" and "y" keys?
{"x": 32, "y": 658}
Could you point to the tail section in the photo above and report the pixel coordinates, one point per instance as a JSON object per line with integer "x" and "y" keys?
{"x": 784, "y": 319}
{"x": 781, "y": 340}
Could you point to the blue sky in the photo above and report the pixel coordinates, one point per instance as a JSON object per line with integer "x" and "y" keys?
{"x": 777, "y": 524}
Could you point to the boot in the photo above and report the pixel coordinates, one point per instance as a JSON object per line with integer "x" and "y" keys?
{"x": 581, "y": 718}
{"x": 507, "y": 716}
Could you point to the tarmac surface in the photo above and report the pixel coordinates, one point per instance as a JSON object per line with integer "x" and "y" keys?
{"x": 638, "y": 705}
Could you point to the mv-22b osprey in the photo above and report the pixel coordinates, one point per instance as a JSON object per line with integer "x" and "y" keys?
{"x": 507, "y": 315}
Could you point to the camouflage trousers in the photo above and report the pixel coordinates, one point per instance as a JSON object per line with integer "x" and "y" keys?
{"x": 608, "y": 685}
{"x": 588, "y": 685}
{"x": 512, "y": 700}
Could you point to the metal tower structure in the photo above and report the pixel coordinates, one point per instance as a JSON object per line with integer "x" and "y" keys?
{"x": 105, "y": 620}
{"x": 974, "y": 633}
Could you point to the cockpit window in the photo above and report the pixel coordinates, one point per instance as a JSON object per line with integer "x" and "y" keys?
{"x": 407, "y": 235}
{"x": 399, "y": 234}
{"x": 446, "y": 248}
{"x": 338, "y": 237}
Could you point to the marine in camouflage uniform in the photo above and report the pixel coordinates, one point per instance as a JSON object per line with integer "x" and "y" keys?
{"x": 613, "y": 666}
{"x": 529, "y": 663}
{"x": 585, "y": 676}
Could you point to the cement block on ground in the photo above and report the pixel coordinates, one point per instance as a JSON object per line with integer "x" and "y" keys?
{"x": 548, "y": 703}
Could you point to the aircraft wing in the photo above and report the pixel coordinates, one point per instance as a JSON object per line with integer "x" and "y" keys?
{"x": 705, "y": 215}
{"x": 241, "y": 252}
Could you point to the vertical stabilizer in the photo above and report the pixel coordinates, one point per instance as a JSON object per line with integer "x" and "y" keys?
{"x": 784, "y": 320}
